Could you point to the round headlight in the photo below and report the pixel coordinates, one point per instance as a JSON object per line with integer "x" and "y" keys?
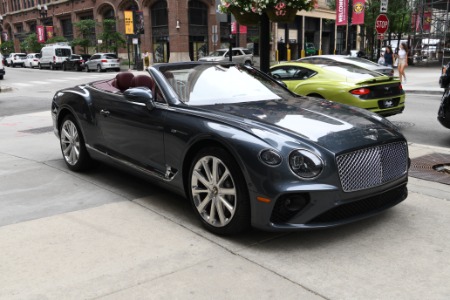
{"x": 305, "y": 164}
{"x": 270, "y": 157}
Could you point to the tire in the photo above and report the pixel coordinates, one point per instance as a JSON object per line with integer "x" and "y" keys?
{"x": 221, "y": 203}
{"x": 1, "y": 77}
{"x": 73, "y": 147}
{"x": 99, "y": 68}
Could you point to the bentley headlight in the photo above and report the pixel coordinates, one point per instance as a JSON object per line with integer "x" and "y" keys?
{"x": 270, "y": 157}
{"x": 305, "y": 164}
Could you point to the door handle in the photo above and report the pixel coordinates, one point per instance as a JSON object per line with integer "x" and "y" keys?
{"x": 105, "y": 113}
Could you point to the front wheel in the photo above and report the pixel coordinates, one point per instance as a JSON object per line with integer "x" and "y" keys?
{"x": 73, "y": 147}
{"x": 218, "y": 192}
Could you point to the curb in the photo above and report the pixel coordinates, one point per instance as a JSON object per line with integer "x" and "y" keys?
{"x": 424, "y": 92}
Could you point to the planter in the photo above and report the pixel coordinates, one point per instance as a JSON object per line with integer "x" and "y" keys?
{"x": 243, "y": 17}
{"x": 283, "y": 14}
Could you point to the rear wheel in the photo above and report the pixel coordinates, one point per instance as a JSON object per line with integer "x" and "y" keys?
{"x": 73, "y": 147}
{"x": 218, "y": 192}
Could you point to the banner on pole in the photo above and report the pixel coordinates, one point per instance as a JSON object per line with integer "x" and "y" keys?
{"x": 49, "y": 32}
{"x": 358, "y": 12}
{"x": 129, "y": 25}
{"x": 341, "y": 12}
{"x": 40, "y": 32}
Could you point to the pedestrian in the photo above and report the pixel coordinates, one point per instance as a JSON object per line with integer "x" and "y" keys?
{"x": 388, "y": 57}
{"x": 402, "y": 57}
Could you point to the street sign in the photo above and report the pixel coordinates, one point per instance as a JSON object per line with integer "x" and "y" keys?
{"x": 383, "y": 6}
{"x": 381, "y": 23}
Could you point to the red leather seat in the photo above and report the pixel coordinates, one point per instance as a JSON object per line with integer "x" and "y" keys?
{"x": 142, "y": 80}
{"x": 123, "y": 81}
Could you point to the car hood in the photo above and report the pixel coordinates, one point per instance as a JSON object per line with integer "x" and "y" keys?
{"x": 334, "y": 126}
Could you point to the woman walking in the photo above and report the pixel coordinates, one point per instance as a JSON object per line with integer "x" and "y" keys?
{"x": 402, "y": 61}
{"x": 388, "y": 57}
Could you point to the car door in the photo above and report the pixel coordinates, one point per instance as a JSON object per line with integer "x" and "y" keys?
{"x": 92, "y": 63}
{"x": 131, "y": 131}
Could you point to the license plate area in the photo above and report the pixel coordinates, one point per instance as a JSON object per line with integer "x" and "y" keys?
{"x": 388, "y": 103}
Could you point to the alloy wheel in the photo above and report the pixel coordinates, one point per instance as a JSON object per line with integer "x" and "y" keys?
{"x": 70, "y": 142}
{"x": 214, "y": 192}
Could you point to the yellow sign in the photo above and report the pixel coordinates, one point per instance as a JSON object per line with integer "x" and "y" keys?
{"x": 129, "y": 26}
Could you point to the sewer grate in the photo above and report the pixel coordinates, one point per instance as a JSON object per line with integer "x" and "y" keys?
{"x": 431, "y": 167}
{"x": 38, "y": 130}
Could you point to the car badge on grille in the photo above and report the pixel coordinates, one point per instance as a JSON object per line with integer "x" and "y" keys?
{"x": 373, "y": 134}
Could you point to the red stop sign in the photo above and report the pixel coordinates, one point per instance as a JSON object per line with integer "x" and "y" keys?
{"x": 381, "y": 23}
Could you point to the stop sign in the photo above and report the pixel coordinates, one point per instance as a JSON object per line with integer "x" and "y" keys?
{"x": 381, "y": 23}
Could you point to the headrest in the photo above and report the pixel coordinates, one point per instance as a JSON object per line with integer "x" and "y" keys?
{"x": 123, "y": 80}
{"x": 142, "y": 80}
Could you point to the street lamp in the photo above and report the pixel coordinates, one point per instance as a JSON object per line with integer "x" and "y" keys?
{"x": 42, "y": 11}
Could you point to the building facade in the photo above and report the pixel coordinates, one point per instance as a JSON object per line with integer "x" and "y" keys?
{"x": 173, "y": 30}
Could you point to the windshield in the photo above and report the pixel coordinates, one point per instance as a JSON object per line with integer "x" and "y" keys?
{"x": 218, "y": 53}
{"x": 361, "y": 60}
{"x": 351, "y": 71}
{"x": 222, "y": 84}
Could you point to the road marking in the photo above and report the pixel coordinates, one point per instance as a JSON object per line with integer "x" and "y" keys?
{"x": 39, "y": 82}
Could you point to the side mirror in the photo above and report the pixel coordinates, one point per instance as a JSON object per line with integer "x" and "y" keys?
{"x": 140, "y": 95}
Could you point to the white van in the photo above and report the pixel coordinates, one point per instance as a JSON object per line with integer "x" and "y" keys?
{"x": 53, "y": 55}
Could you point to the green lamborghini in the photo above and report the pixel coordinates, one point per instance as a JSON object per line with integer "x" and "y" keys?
{"x": 344, "y": 83}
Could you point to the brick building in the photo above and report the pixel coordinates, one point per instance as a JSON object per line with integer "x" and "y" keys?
{"x": 174, "y": 30}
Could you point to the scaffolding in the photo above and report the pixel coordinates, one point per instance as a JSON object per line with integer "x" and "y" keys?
{"x": 429, "y": 25}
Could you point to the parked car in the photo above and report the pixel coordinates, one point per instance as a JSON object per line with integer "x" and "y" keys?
{"x": 344, "y": 83}
{"x": 443, "y": 115}
{"x": 254, "y": 154}
{"x": 32, "y": 60}
{"x": 73, "y": 62}
{"x": 53, "y": 55}
{"x": 2, "y": 67}
{"x": 239, "y": 55}
{"x": 358, "y": 61}
{"x": 103, "y": 62}
{"x": 15, "y": 59}
{"x": 310, "y": 49}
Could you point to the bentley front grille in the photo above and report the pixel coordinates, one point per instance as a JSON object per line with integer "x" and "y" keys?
{"x": 372, "y": 167}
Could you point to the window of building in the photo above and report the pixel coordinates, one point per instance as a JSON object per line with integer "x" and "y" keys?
{"x": 198, "y": 13}
{"x": 159, "y": 14}
{"x": 67, "y": 29}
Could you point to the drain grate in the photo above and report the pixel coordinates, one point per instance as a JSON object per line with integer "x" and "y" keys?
{"x": 431, "y": 167}
{"x": 38, "y": 130}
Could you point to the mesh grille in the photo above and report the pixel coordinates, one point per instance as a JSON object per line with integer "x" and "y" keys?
{"x": 372, "y": 167}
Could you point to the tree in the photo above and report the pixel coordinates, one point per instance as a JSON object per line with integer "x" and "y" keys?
{"x": 111, "y": 39}
{"x": 7, "y": 47}
{"x": 30, "y": 44}
{"x": 86, "y": 38}
{"x": 56, "y": 39}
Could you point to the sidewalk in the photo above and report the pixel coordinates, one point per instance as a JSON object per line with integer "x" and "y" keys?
{"x": 136, "y": 241}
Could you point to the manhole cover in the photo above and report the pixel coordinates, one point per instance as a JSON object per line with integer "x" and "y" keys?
{"x": 431, "y": 167}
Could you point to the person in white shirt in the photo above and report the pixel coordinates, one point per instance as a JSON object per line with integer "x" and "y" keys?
{"x": 402, "y": 57}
